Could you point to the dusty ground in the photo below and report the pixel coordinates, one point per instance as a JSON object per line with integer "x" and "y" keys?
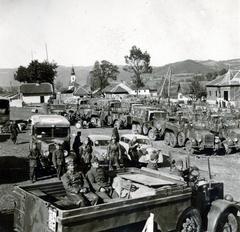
{"x": 224, "y": 168}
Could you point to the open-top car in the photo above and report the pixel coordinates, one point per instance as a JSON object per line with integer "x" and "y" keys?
{"x": 145, "y": 148}
{"x": 100, "y": 144}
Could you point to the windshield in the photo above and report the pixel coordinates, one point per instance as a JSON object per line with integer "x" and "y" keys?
{"x": 99, "y": 143}
{"x": 143, "y": 141}
{"x": 157, "y": 115}
{"x": 58, "y": 132}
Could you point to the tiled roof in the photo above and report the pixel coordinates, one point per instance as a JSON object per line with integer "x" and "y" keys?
{"x": 230, "y": 78}
{"x": 35, "y": 88}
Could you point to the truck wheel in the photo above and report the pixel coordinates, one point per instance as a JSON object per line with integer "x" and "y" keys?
{"x": 145, "y": 129}
{"x": 190, "y": 222}
{"x": 173, "y": 140}
{"x": 228, "y": 222}
{"x": 152, "y": 134}
{"x": 181, "y": 139}
{"x": 227, "y": 149}
{"x": 117, "y": 124}
{"x": 167, "y": 138}
{"x": 139, "y": 129}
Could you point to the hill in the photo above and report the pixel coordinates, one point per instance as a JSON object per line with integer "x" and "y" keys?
{"x": 181, "y": 70}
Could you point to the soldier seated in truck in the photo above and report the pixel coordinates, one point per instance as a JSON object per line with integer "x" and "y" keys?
{"x": 99, "y": 180}
{"x": 76, "y": 186}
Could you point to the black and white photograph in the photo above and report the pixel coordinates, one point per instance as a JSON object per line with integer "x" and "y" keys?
{"x": 119, "y": 116}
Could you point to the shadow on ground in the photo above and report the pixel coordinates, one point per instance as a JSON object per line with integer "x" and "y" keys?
{"x": 13, "y": 169}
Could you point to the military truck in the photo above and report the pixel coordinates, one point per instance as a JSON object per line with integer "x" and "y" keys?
{"x": 172, "y": 204}
{"x": 47, "y": 131}
{"x": 148, "y": 121}
{"x": 226, "y": 127}
{"x": 199, "y": 138}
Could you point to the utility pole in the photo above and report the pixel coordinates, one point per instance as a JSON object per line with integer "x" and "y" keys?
{"x": 46, "y": 51}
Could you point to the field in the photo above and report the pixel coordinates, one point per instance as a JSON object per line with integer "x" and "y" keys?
{"x": 224, "y": 168}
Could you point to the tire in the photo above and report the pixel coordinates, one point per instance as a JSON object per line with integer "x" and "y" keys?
{"x": 152, "y": 134}
{"x": 167, "y": 138}
{"x": 145, "y": 129}
{"x": 139, "y": 129}
{"x": 190, "y": 221}
{"x": 117, "y": 124}
{"x": 181, "y": 139}
{"x": 173, "y": 140}
{"x": 227, "y": 149}
{"x": 228, "y": 221}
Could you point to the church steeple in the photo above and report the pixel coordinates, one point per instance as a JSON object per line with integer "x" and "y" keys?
{"x": 73, "y": 77}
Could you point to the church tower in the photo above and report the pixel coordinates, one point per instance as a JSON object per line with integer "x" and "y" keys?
{"x": 73, "y": 76}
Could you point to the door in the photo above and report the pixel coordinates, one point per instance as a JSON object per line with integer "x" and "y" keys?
{"x": 41, "y": 99}
{"x": 225, "y": 95}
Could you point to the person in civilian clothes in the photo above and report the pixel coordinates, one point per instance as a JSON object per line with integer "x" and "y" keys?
{"x": 99, "y": 180}
{"x": 34, "y": 157}
{"x": 77, "y": 187}
{"x": 58, "y": 160}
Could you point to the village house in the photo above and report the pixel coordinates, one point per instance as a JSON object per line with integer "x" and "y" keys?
{"x": 117, "y": 90}
{"x": 225, "y": 89}
{"x": 34, "y": 93}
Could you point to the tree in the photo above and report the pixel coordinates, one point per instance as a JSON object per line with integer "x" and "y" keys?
{"x": 138, "y": 63}
{"x": 197, "y": 89}
{"x": 37, "y": 72}
{"x": 101, "y": 73}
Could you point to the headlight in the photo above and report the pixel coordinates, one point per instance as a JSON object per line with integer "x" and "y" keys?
{"x": 235, "y": 140}
{"x": 199, "y": 140}
{"x": 217, "y": 140}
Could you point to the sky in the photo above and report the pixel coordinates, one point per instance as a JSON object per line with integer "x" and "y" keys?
{"x": 79, "y": 32}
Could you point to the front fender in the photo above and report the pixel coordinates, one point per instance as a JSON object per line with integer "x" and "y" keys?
{"x": 217, "y": 208}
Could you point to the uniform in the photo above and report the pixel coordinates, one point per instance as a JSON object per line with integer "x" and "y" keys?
{"x": 78, "y": 190}
{"x": 77, "y": 143}
{"x": 114, "y": 153}
{"x": 59, "y": 161}
{"x": 98, "y": 180}
{"x": 133, "y": 152}
{"x": 14, "y": 132}
{"x": 33, "y": 163}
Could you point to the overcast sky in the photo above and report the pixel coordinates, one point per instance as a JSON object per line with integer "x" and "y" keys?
{"x": 78, "y": 32}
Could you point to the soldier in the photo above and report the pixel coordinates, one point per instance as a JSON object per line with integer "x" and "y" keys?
{"x": 114, "y": 153}
{"x": 86, "y": 151}
{"x": 133, "y": 151}
{"x": 58, "y": 160}
{"x": 14, "y": 132}
{"x": 77, "y": 187}
{"x": 152, "y": 163}
{"x": 34, "y": 157}
{"x": 77, "y": 143}
{"x": 115, "y": 134}
{"x": 99, "y": 180}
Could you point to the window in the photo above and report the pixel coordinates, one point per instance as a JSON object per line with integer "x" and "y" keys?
{"x": 210, "y": 93}
{"x": 216, "y": 93}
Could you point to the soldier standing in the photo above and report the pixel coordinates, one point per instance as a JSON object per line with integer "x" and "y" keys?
{"x": 34, "y": 157}
{"x": 133, "y": 151}
{"x": 14, "y": 132}
{"x": 77, "y": 143}
{"x": 58, "y": 160}
{"x": 77, "y": 187}
{"x": 115, "y": 134}
{"x": 86, "y": 152}
{"x": 114, "y": 153}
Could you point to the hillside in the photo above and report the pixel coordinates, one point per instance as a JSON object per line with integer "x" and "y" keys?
{"x": 181, "y": 70}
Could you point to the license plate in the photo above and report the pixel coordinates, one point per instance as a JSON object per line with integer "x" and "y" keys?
{"x": 52, "y": 217}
